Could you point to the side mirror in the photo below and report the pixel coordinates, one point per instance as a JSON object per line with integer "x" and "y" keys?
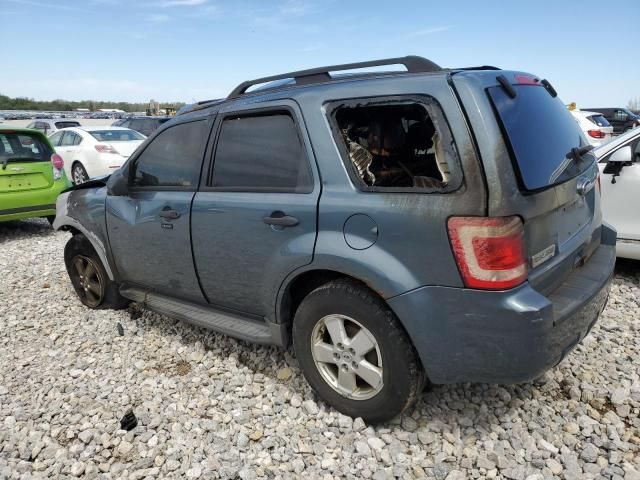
{"x": 617, "y": 160}
{"x": 118, "y": 183}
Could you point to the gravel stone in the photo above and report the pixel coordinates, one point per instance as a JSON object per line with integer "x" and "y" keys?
{"x": 209, "y": 406}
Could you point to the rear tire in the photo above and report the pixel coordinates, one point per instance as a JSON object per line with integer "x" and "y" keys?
{"x": 89, "y": 277}
{"x": 354, "y": 352}
{"x": 79, "y": 174}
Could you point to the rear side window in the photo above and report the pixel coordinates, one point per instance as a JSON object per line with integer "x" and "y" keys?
{"x": 173, "y": 158}
{"x": 23, "y": 147}
{"x": 69, "y": 139}
{"x": 261, "y": 153}
{"x": 396, "y": 146}
{"x": 541, "y": 133}
{"x": 55, "y": 138}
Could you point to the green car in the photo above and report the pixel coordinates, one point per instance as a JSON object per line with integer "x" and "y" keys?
{"x": 31, "y": 175}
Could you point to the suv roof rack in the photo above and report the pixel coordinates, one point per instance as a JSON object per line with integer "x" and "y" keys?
{"x": 414, "y": 64}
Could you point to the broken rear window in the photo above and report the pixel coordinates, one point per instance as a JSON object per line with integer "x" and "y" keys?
{"x": 393, "y": 146}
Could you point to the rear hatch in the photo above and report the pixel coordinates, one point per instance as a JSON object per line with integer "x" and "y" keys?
{"x": 544, "y": 173}
{"x": 25, "y": 162}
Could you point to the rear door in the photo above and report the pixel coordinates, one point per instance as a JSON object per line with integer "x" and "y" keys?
{"x": 149, "y": 227}
{"x": 254, "y": 218}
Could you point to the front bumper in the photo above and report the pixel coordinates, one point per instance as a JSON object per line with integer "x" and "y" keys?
{"x": 511, "y": 336}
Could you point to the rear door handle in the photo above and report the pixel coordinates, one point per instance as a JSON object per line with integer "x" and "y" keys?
{"x": 279, "y": 219}
{"x": 169, "y": 213}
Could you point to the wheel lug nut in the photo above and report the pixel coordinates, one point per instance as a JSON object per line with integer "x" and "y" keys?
{"x": 354, "y": 364}
{"x": 345, "y": 368}
{"x": 339, "y": 345}
{"x": 352, "y": 351}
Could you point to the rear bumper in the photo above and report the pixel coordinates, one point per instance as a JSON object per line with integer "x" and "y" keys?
{"x": 31, "y": 203}
{"x": 508, "y": 336}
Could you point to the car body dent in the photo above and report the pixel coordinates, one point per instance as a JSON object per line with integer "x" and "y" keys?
{"x": 82, "y": 209}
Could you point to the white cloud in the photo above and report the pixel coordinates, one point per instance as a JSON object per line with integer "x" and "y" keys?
{"x": 427, "y": 31}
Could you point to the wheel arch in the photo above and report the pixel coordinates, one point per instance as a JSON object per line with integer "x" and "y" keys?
{"x": 300, "y": 285}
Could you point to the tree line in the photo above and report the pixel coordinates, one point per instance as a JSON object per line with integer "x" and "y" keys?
{"x": 23, "y": 103}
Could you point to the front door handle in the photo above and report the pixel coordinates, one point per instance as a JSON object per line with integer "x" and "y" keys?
{"x": 279, "y": 219}
{"x": 169, "y": 213}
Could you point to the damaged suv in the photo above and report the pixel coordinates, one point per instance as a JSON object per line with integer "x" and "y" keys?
{"x": 397, "y": 228}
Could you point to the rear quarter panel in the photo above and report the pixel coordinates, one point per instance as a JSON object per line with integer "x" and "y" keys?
{"x": 412, "y": 248}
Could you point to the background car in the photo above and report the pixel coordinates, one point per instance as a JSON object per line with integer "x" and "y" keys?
{"x": 619, "y": 163}
{"x": 31, "y": 175}
{"x": 94, "y": 151}
{"x": 621, "y": 119}
{"x": 48, "y": 127}
{"x": 144, "y": 125}
{"x": 595, "y": 127}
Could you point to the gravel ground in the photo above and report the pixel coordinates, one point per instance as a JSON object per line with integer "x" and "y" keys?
{"x": 213, "y": 407}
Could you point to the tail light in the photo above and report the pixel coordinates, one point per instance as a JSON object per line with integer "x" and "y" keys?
{"x": 596, "y": 133}
{"x": 57, "y": 163}
{"x": 105, "y": 149}
{"x": 489, "y": 251}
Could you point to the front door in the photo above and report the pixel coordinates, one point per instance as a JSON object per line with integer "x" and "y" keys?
{"x": 254, "y": 220}
{"x": 620, "y": 200}
{"x": 149, "y": 227}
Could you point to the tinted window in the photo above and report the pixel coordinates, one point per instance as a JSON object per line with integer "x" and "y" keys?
{"x": 261, "y": 153}
{"x": 66, "y": 124}
{"x": 599, "y": 120}
{"x": 136, "y": 125}
{"x": 116, "y": 135}
{"x": 541, "y": 132}
{"x": 23, "y": 147}
{"x": 173, "y": 158}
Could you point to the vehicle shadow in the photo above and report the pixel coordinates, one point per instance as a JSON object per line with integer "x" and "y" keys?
{"x": 15, "y": 229}
{"x": 439, "y": 408}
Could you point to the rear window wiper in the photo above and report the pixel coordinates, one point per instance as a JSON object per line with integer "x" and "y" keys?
{"x": 577, "y": 152}
{"x": 573, "y": 155}
{"x": 6, "y": 160}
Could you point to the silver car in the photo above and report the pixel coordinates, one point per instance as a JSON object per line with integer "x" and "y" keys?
{"x": 49, "y": 126}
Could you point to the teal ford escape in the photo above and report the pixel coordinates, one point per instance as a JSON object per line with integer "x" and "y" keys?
{"x": 395, "y": 227}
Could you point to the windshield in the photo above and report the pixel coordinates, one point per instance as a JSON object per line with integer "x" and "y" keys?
{"x": 541, "y": 133}
{"x": 116, "y": 135}
{"x": 24, "y": 147}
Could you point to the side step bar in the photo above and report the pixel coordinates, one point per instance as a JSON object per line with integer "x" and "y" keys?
{"x": 231, "y": 324}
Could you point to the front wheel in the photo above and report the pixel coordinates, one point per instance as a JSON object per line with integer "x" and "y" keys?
{"x": 354, "y": 353}
{"x": 88, "y": 276}
{"x": 79, "y": 174}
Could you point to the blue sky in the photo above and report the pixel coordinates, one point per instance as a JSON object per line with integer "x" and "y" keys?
{"x": 186, "y": 50}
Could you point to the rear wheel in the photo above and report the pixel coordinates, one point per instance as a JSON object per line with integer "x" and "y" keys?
{"x": 88, "y": 276}
{"x": 79, "y": 174}
{"x": 354, "y": 353}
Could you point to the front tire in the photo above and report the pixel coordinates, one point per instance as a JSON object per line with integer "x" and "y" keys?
{"x": 79, "y": 174}
{"x": 354, "y": 352}
{"x": 89, "y": 277}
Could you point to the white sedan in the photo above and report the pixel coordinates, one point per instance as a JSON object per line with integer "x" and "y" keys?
{"x": 619, "y": 162}
{"x": 90, "y": 152}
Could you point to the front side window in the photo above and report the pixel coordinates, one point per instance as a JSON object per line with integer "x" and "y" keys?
{"x": 261, "y": 153}
{"x": 396, "y": 146}
{"x": 173, "y": 158}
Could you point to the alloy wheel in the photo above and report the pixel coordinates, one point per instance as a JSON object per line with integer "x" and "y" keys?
{"x": 79, "y": 175}
{"x": 88, "y": 281}
{"x": 348, "y": 357}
